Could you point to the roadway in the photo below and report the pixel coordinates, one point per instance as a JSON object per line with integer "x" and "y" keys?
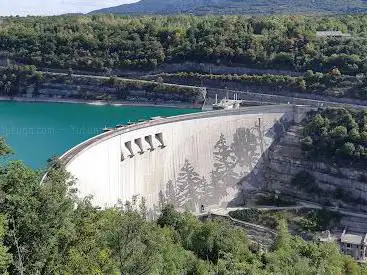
{"x": 301, "y": 205}
{"x": 284, "y": 99}
{"x": 224, "y": 212}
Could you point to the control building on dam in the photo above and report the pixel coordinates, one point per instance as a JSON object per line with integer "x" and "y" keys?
{"x": 208, "y": 158}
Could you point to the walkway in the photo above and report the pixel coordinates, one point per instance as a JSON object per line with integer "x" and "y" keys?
{"x": 224, "y": 212}
{"x": 313, "y": 102}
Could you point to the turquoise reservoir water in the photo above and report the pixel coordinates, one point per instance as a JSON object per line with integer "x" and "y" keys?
{"x": 38, "y": 131}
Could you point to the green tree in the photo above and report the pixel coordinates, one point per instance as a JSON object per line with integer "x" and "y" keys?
{"x": 169, "y": 217}
{"x": 4, "y": 148}
{"x": 134, "y": 243}
{"x": 347, "y": 149}
{"x": 339, "y": 132}
{"x": 5, "y": 257}
{"x": 88, "y": 253}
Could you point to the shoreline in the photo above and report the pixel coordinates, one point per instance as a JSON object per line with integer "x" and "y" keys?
{"x": 116, "y": 103}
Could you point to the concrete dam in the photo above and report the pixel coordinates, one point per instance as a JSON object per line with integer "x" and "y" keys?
{"x": 207, "y": 158}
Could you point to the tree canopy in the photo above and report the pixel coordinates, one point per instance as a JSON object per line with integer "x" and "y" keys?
{"x": 45, "y": 229}
{"x": 104, "y": 42}
{"x": 337, "y": 134}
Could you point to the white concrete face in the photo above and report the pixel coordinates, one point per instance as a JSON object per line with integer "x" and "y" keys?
{"x": 101, "y": 170}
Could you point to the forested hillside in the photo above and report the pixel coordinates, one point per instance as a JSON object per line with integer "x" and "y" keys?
{"x": 238, "y": 7}
{"x": 44, "y": 229}
{"x": 102, "y": 43}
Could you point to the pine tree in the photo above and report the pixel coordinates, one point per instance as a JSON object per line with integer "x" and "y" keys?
{"x": 206, "y": 192}
{"x": 223, "y": 174}
{"x": 171, "y": 193}
{"x": 245, "y": 147}
{"x": 260, "y": 130}
{"x": 188, "y": 184}
{"x": 162, "y": 201}
{"x": 143, "y": 210}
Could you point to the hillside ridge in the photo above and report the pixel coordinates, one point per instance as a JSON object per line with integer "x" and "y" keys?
{"x": 250, "y": 7}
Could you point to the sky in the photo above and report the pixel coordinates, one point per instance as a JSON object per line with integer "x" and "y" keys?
{"x": 55, "y": 7}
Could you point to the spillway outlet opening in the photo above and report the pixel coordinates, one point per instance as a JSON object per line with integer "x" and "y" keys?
{"x": 129, "y": 148}
{"x": 149, "y": 140}
{"x": 159, "y": 137}
{"x": 139, "y": 143}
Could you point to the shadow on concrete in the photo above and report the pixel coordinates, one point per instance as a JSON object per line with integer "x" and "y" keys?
{"x": 237, "y": 173}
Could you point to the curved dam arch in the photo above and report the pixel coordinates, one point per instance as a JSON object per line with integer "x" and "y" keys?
{"x": 190, "y": 160}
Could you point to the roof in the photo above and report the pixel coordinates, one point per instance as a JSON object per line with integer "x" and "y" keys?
{"x": 331, "y": 33}
{"x": 351, "y": 239}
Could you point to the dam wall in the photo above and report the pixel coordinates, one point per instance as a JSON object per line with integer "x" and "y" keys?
{"x": 207, "y": 158}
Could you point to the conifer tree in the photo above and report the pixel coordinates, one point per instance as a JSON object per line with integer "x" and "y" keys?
{"x": 206, "y": 192}
{"x": 162, "y": 200}
{"x": 188, "y": 184}
{"x": 171, "y": 193}
{"x": 245, "y": 147}
{"x": 223, "y": 174}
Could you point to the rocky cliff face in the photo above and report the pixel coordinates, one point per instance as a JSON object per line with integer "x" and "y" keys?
{"x": 326, "y": 183}
{"x": 111, "y": 89}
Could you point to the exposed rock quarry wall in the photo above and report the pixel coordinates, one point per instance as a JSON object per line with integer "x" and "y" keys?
{"x": 191, "y": 160}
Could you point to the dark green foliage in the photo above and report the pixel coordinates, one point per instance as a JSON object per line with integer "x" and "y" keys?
{"x": 292, "y": 255}
{"x": 45, "y": 229}
{"x": 169, "y": 217}
{"x": 268, "y": 79}
{"x": 6, "y": 258}
{"x": 13, "y": 78}
{"x": 300, "y": 220}
{"x": 314, "y": 83}
{"x": 16, "y": 80}
{"x": 255, "y": 216}
{"x": 105, "y": 42}
{"x": 336, "y": 134}
{"x": 39, "y": 218}
{"x": 113, "y": 44}
{"x": 273, "y": 199}
{"x": 4, "y": 148}
{"x": 319, "y": 220}
{"x": 304, "y": 180}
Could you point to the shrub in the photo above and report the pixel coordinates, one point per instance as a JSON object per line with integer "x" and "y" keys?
{"x": 305, "y": 181}
{"x": 336, "y": 134}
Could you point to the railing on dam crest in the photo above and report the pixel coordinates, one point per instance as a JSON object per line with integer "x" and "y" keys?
{"x": 298, "y": 110}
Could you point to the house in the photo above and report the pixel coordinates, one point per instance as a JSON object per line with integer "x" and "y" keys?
{"x": 332, "y": 34}
{"x": 354, "y": 245}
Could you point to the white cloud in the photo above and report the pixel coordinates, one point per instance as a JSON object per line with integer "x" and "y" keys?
{"x": 54, "y": 7}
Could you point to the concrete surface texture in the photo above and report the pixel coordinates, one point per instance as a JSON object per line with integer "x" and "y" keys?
{"x": 206, "y": 159}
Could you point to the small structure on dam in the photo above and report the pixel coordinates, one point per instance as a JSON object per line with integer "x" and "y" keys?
{"x": 206, "y": 159}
